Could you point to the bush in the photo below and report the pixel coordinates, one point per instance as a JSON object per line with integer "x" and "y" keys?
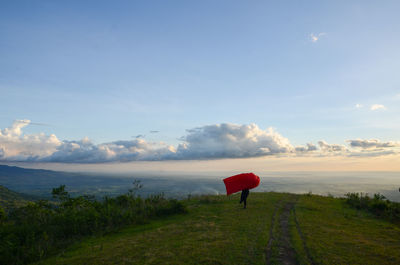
{"x": 378, "y": 205}
{"x": 3, "y": 215}
{"x": 34, "y": 231}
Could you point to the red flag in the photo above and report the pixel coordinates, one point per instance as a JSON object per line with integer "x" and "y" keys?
{"x": 240, "y": 182}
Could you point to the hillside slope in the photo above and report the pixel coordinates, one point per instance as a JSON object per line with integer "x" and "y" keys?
{"x": 276, "y": 228}
{"x": 40, "y": 182}
{"x": 12, "y": 199}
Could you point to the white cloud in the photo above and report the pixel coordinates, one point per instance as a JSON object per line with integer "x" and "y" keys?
{"x": 373, "y": 143}
{"x": 232, "y": 141}
{"x": 16, "y": 146}
{"x": 358, "y": 106}
{"x": 208, "y": 142}
{"x": 85, "y": 151}
{"x": 309, "y": 148}
{"x": 377, "y": 107}
{"x": 330, "y": 148}
{"x": 315, "y": 37}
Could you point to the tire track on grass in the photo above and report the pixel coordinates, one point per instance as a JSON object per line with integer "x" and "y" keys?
{"x": 271, "y": 234}
{"x": 303, "y": 241}
{"x": 279, "y": 249}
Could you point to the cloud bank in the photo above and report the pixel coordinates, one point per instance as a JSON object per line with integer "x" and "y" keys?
{"x": 215, "y": 141}
{"x": 373, "y": 143}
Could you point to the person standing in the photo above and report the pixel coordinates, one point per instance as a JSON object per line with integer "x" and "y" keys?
{"x": 243, "y": 197}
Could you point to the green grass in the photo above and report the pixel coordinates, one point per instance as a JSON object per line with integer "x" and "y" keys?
{"x": 337, "y": 234}
{"x": 298, "y": 243}
{"x": 216, "y": 230}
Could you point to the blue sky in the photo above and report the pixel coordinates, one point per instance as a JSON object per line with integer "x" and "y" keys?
{"x": 113, "y": 70}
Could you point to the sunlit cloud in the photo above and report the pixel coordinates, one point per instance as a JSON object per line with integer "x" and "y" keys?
{"x": 217, "y": 141}
{"x": 316, "y": 37}
{"x": 358, "y": 106}
{"x": 208, "y": 142}
{"x": 373, "y": 143}
{"x": 14, "y": 145}
{"x": 232, "y": 141}
{"x": 308, "y": 148}
{"x": 377, "y": 107}
{"x": 331, "y": 148}
{"x": 373, "y": 153}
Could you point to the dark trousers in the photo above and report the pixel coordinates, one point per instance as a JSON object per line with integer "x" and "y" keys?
{"x": 243, "y": 197}
{"x": 244, "y": 202}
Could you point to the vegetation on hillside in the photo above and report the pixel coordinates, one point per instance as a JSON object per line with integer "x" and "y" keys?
{"x": 276, "y": 228}
{"x": 10, "y": 199}
{"x": 377, "y": 205}
{"x": 31, "y": 232}
{"x": 217, "y": 230}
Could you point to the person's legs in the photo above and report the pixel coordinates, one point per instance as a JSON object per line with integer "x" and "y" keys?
{"x": 244, "y": 207}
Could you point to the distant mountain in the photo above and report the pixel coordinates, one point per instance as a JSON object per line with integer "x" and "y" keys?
{"x": 40, "y": 182}
{"x": 24, "y": 179}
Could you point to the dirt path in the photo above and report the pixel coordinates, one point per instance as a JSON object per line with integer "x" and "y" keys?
{"x": 280, "y": 249}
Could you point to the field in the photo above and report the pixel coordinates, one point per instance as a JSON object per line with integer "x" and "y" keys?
{"x": 276, "y": 228}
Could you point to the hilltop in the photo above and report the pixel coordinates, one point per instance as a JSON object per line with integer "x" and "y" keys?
{"x": 276, "y": 228}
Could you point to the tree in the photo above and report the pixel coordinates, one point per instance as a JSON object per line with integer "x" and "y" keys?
{"x": 136, "y": 187}
{"x": 60, "y": 193}
{"x": 3, "y": 215}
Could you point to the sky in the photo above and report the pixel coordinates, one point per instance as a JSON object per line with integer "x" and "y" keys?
{"x": 260, "y": 84}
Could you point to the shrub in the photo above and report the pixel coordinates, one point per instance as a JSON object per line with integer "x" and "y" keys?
{"x": 32, "y": 232}
{"x": 3, "y": 215}
{"x": 378, "y": 205}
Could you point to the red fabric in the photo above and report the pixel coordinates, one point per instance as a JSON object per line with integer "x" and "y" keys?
{"x": 240, "y": 182}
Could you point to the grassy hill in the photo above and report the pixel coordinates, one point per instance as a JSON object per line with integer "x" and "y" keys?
{"x": 276, "y": 228}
